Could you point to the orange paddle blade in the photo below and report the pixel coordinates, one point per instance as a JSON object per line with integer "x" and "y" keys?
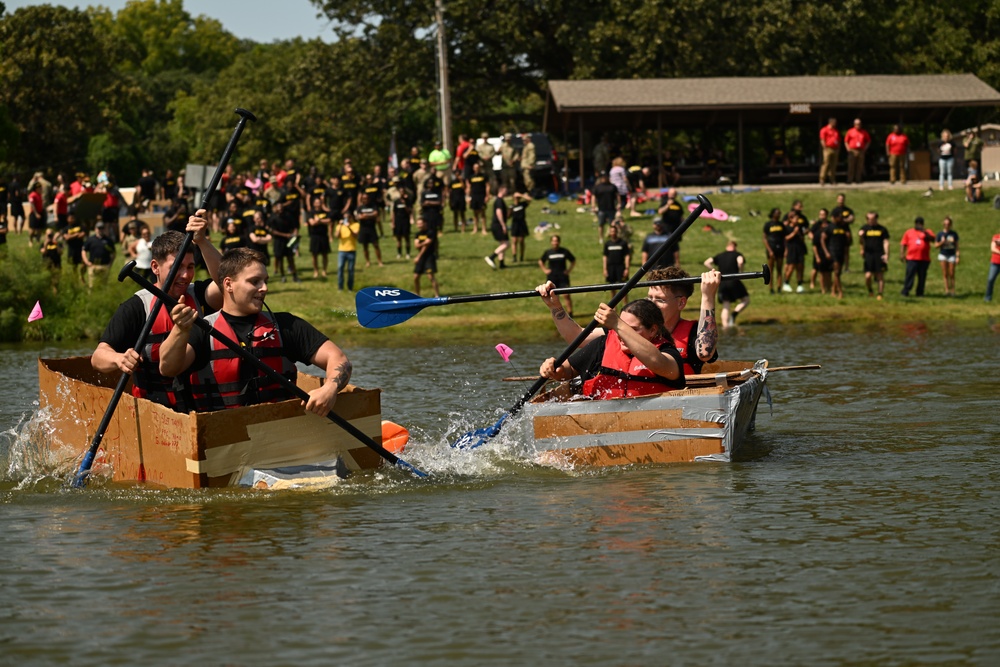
{"x": 394, "y": 436}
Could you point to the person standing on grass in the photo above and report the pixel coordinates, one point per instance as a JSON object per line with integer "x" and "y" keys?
{"x": 37, "y": 217}
{"x": 477, "y": 189}
{"x": 457, "y": 204}
{"x": 948, "y": 254}
{"x": 847, "y": 213}
{"x": 994, "y": 267}
{"x": 946, "y": 160}
{"x": 260, "y": 236}
{"x": 284, "y": 227}
{"x": 606, "y": 204}
{"x": 426, "y": 260}
{"x": 518, "y": 227}
{"x": 499, "y": 229}
{"x": 874, "y": 252}
{"x": 319, "y": 236}
{"x": 730, "y": 261}
{"x": 617, "y": 257}
{"x": 347, "y": 247}
{"x": 560, "y": 261}
{"x": 774, "y": 244}
{"x": 367, "y": 216}
{"x": 819, "y": 233}
{"x": 856, "y": 140}
{"x": 915, "y": 251}
{"x": 838, "y": 242}
{"x": 672, "y": 215}
{"x": 402, "y": 213}
{"x": 797, "y": 228}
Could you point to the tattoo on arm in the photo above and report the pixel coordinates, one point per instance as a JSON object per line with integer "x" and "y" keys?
{"x": 559, "y": 315}
{"x": 708, "y": 335}
{"x": 342, "y": 375}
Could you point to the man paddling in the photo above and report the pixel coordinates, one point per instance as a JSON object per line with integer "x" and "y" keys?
{"x": 115, "y": 353}
{"x": 220, "y": 378}
{"x": 696, "y": 346}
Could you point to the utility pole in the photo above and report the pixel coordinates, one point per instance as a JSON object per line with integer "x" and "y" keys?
{"x": 444, "y": 92}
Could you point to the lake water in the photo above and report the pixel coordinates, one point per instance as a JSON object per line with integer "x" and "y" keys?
{"x": 865, "y": 529}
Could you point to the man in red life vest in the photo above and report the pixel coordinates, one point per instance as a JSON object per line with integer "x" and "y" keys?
{"x": 635, "y": 358}
{"x": 115, "y": 351}
{"x": 695, "y": 340}
{"x": 220, "y": 378}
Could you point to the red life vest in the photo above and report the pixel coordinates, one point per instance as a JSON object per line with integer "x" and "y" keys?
{"x": 685, "y": 344}
{"x": 146, "y": 379}
{"x": 622, "y": 375}
{"x": 217, "y": 386}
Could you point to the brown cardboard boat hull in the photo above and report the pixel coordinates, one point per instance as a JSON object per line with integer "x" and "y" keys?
{"x": 147, "y": 442}
{"x": 700, "y": 423}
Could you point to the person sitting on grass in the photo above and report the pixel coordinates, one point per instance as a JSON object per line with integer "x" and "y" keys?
{"x": 426, "y": 260}
{"x": 636, "y": 357}
{"x": 973, "y": 184}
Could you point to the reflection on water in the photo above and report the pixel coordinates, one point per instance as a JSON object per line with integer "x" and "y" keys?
{"x": 863, "y": 530}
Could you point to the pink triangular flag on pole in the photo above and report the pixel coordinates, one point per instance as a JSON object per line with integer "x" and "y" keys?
{"x": 504, "y": 351}
{"x": 36, "y": 312}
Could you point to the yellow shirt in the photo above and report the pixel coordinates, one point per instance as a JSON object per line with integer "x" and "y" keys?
{"x": 347, "y": 236}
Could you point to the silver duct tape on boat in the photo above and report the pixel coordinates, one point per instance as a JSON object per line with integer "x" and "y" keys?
{"x": 743, "y": 400}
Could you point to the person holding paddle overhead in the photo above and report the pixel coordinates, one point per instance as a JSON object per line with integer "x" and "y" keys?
{"x": 696, "y": 349}
{"x": 635, "y": 357}
{"x": 221, "y": 378}
{"x": 115, "y": 353}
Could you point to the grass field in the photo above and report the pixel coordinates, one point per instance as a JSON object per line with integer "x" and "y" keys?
{"x": 463, "y": 271}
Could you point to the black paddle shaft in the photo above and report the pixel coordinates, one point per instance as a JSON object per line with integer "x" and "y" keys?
{"x": 672, "y": 240}
{"x": 246, "y": 355}
{"x": 88, "y": 459}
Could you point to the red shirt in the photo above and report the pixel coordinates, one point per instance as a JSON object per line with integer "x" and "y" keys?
{"x": 35, "y": 199}
{"x": 857, "y": 140}
{"x": 829, "y": 137}
{"x": 918, "y": 244}
{"x": 995, "y": 256}
{"x": 62, "y": 203}
{"x": 897, "y": 144}
{"x": 460, "y": 154}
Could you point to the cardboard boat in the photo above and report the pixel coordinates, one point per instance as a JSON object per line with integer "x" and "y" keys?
{"x": 148, "y": 442}
{"x": 709, "y": 420}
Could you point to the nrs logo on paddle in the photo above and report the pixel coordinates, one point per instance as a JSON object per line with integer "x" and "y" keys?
{"x": 387, "y": 292}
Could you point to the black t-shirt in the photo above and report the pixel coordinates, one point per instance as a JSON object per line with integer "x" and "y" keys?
{"x": 300, "y": 341}
{"x": 652, "y": 244}
{"x": 838, "y": 237}
{"x": 230, "y": 241}
{"x": 367, "y": 216}
{"x": 587, "y": 360}
{"x": 606, "y": 196}
{"x": 400, "y": 211}
{"x": 477, "y": 187}
{"x": 100, "y": 250}
{"x": 123, "y": 329}
{"x": 817, "y": 230}
{"x": 147, "y": 187}
{"x": 616, "y": 252}
{"x": 519, "y": 211}
{"x": 845, "y": 212}
{"x": 558, "y": 259}
{"x": 673, "y": 216}
{"x": 728, "y": 261}
{"x": 499, "y": 205}
{"x": 872, "y": 238}
{"x": 774, "y": 231}
{"x": 322, "y": 226}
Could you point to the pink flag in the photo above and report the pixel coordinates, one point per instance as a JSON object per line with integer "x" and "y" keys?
{"x": 36, "y": 312}
{"x": 504, "y": 351}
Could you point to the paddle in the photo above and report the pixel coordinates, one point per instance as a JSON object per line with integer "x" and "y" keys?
{"x": 702, "y": 378}
{"x": 380, "y": 307}
{"x": 129, "y": 272}
{"x": 80, "y": 479}
{"x": 478, "y": 437}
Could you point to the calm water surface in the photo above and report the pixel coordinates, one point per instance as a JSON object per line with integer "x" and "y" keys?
{"x": 865, "y": 529}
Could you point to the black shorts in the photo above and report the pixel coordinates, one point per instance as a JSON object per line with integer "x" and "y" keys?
{"x": 498, "y": 232}
{"x": 518, "y": 228}
{"x": 319, "y": 245}
{"x": 559, "y": 279}
{"x": 36, "y": 222}
{"x": 477, "y": 204}
{"x": 837, "y": 255}
{"x": 401, "y": 228}
{"x": 263, "y": 250}
{"x": 368, "y": 235}
{"x": 616, "y": 273}
{"x": 281, "y": 248}
{"x": 823, "y": 265}
{"x": 426, "y": 263}
{"x": 795, "y": 254}
{"x": 457, "y": 201}
{"x": 873, "y": 264}
{"x": 732, "y": 290}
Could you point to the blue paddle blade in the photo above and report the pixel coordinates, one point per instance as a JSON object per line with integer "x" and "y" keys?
{"x": 480, "y": 436}
{"x": 380, "y": 307}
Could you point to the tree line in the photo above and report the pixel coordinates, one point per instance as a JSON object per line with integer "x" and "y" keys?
{"x": 152, "y": 85}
